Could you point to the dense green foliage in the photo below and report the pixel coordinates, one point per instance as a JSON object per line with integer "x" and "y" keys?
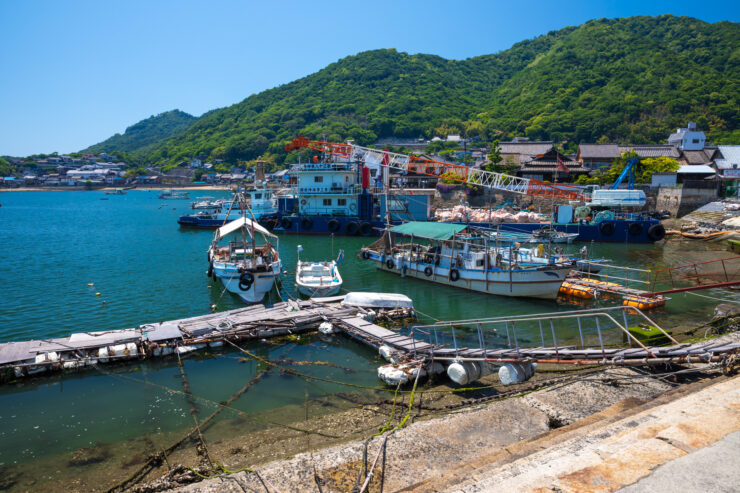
{"x": 6, "y": 169}
{"x": 153, "y": 130}
{"x": 609, "y": 80}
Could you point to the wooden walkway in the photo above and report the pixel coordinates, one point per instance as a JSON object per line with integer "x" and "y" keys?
{"x": 20, "y": 359}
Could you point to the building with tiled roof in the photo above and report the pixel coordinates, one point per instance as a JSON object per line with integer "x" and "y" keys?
{"x": 518, "y": 152}
{"x": 545, "y": 167}
{"x": 727, "y": 161}
{"x": 645, "y": 151}
{"x": 703, "y": 156}
{"x": 593, "y": 156}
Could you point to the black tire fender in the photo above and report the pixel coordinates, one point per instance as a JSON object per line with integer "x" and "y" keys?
{"x": 286, "y": 223}
{"x": 656, "y": 232}
{"x": 245, "y": 281}
{"x": 635, "y": 229}
{"x": 428, "y": 271}
{"x": 454, "y": 275}
{"x": 365, "y": 254}
{"x": 366, "y": 229}
{"x": 606, "y": 228}
{"x": 352, "y": 228}
{"x": 389, "y": 263}
{"x": 306, "y": 223}
{"x": 333, "y": 225}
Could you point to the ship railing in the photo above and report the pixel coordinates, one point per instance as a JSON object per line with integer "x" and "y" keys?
{"x": 602, "y": 328}
{"x": 328, "y": 190}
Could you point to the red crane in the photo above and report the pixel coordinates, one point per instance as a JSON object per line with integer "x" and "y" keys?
{"x": 431, "y": 167}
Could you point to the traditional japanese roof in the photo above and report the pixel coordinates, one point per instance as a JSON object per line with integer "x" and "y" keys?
{"x": 652, "y": 150}
{"x": 429, "y": 230}
{"x": 730, "y": 157}
{"x": 598, "y": 151}
{"x": 528, "y": 148}
{"x": 696, "y": 157}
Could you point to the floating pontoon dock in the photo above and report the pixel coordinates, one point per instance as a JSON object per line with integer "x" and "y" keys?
{"x": 432, "y": 346}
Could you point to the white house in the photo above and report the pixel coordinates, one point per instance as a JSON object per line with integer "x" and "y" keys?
{"x": 688, "y": 139}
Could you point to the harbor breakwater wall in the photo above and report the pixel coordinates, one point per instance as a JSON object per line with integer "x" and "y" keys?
{"x": 678, "y": 201}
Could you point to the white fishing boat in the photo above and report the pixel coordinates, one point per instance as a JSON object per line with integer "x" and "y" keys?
{"x": 117, "y": 191}
{"x": 249, "y": 263}
{"x": 207, "y": 203}
{"x": 446, "y": 253}
{"x": 173, "y": 195}
{"x": 318, "y": 278}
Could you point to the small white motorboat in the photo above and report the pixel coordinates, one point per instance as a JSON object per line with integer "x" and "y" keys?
{"x": 548, "y": 234}
{"x": 318, "y": 278}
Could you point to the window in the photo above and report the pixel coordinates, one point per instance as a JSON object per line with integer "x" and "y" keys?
{"x": 257, "y": 195}
{"x": 341, "y": 201}
{"x": 327, "y": 201}
{"x": 318, "y": 179}
{"x": 695, "y": 141}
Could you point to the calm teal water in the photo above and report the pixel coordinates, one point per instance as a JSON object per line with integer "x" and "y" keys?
{"x": 147, "y": 269}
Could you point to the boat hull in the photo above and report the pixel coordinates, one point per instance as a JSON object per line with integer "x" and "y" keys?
{"x": 318, "y": 291}
{"x": 588, "y": 232}
{"x": 195, "y": 221}
{"x": 543, "y": 284}
{"x": 320, "y": 225}
{"x": 228, "y": 274}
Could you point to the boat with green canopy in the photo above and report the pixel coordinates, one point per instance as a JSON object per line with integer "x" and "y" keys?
{"x": 458, "y": 256}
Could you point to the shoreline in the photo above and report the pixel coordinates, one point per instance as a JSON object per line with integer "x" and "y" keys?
{"x": 104, "y": 189}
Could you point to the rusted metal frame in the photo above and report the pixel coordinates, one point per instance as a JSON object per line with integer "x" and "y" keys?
{"x": 554, "y": 340}
{"x": 696, "y": 288}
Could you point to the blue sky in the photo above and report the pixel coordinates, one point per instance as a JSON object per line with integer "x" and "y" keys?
{"x": 73, "y": 73}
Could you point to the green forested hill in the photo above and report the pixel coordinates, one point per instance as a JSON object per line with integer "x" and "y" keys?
{"x": 622, "y": 80}
{"x": 153, "y": 130}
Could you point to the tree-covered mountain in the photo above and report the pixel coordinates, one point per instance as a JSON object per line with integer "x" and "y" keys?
{"x": 152, "y": 130}
{"x": 621, "y": 80}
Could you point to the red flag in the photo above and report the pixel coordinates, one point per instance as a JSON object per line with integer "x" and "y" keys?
{"x": 386, "y": 159}
{"x": 562, "y": 166}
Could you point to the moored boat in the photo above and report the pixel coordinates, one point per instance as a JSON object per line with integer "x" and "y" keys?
{"x": 117, "y": 191}
{"x": 318, "y": 278}
{"x": 207, "y": 203}
{"x": 173, "y": 195}
{"x": 448, "y": 254}
{"x": 247, "y": 266}
{"x": 261, "y": 201}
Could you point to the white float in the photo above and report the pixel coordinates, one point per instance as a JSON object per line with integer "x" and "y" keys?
{"x": 326, "y": 328}
{"x": 512, "y": 373}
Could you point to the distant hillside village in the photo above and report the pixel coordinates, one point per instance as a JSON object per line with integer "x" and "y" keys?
{"x": 694, "y": 160}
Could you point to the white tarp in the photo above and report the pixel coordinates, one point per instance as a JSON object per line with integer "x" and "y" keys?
{"x": 237, "y": 224}
{"x": 379, "y": 300}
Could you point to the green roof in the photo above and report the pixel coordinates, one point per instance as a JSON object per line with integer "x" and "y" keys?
{"x": 430, "y": 230}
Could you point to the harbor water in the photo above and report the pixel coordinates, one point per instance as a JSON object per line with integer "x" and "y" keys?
{"x": 72, "y": 262}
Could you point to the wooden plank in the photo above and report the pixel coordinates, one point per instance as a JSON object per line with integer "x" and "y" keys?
{"x": 14, "y": 352}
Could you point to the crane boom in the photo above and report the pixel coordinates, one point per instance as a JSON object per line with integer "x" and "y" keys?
{"x": 431, "y": 167}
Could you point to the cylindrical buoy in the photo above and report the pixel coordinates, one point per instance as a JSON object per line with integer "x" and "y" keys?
{"x": 463, "y": 373}
{"x": 511, "y": 373}
{"x": 97, "y": 294}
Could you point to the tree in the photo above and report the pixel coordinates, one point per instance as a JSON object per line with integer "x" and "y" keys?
{"x": 495, "y": 155}
{"x": 6, "y": 169}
